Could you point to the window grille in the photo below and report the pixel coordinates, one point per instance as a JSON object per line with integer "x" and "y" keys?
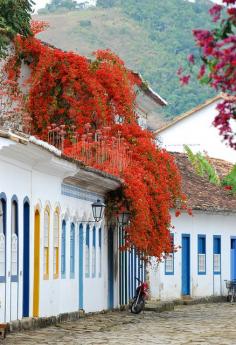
{"x": 201, "y": 263}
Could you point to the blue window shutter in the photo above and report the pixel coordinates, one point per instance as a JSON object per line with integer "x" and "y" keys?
{"x": 217, "y": 245}
{"x": 201, "y": 244}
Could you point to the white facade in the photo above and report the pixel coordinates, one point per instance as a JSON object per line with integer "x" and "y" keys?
{"x": 167, "y": 284}
{"x": 196, "y": 130}
{"x": 48, "y": 182}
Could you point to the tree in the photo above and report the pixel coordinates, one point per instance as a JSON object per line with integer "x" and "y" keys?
{"x": 57, "y": 4}
{"x": 15, "y": 19}
{"x": 218, "y": 65}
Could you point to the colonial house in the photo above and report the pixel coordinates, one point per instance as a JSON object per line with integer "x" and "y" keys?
{"x": 195, "y": 129}
{"x": 205, "y": 243}
{"x": 54, "y": 258}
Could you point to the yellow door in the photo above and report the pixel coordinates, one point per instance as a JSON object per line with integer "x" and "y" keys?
{"x": 36, "y": 263}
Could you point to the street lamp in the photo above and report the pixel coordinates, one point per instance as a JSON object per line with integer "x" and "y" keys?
{"x": 123, "y": 218}
{"x": 98, "y": 208}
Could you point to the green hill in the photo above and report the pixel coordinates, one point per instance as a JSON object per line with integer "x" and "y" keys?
{"x": 153, "y": 37}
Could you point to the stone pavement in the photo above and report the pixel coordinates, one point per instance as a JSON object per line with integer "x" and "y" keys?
{"x": 195, "y": 325}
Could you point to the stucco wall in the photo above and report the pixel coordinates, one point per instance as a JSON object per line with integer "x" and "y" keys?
{"x": 166, "y": 287}
{"x": 197, "y": 132}
{"x": 56, "y": 295}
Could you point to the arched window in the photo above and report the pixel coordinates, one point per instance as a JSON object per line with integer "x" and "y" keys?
{"x": 94, "y": 253}
{"x": 100, "y": 251}
{"x": 2, "y": 239}
{"x": 87, "y": 253}
{"x": 56, "y": 244}
{"x": 72, "y": 250}
{"x": 14, "y": 240}
{"x": 63, "y": 249}
{"x": 46, "y": 231}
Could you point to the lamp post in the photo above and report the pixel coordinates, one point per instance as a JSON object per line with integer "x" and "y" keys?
{"x": 98, "y": 208}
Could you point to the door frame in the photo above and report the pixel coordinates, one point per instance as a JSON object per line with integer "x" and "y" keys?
{"x": 36, "y": 262}
{"x": 189, "y": 260}
{"x": 110, "y": 257}
{"x": 26, "y": 259}
{"x": 231, "y": 276}
{"x": 81, "y": 266}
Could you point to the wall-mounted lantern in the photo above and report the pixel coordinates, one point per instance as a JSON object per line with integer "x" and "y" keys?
{"x": 123, "y": 218}
{"x": 98, "y": 208}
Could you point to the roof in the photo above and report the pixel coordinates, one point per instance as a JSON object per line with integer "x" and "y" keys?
{"x": 25, "y": 139}
{"x": 189, "y": 113}
{"x": 201, "y": 194}
{"x": 145, "y": 87}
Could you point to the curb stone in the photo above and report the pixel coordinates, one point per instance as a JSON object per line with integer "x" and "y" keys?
{"x": 33, "y": 323}
{"x": 159, "y": 307}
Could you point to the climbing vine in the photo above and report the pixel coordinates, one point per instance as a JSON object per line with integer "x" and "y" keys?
{"x": 218, "y": 65}
{"x": 68, "y": 90}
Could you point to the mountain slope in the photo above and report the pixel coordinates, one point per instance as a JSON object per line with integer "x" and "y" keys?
{"x": 153, "y": 37}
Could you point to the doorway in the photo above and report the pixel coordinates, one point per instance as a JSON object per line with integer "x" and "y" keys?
{"x": 36, "y": 263}
{"x": 185, "y": 265}
{"x": 26, "y": 256}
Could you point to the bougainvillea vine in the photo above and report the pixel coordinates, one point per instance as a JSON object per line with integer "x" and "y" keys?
{"x": 68, "y": 90}
{"x": 218, "y": 65}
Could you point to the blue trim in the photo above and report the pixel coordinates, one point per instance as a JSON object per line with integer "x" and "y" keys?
{"x": 186, "y": 259}
{"x": 81, "y": 267}
{"x": 94, "y": 248}
{"x": 63, "y": 250}
{"x": 218, "y": 250}
{"x": 26, "y": 257}
{"x": 2, "y": 279}
{"x": 3, "y": 198}
{"x": 110, "y": 269}
{"x": 14, "y": 279}
{"x": 172, "y": 243}
{"x": 14, "y": 199}
{"x": 72, "y": 251}
{"x": 201, "y": 250}
{"x": 87, "y": 243}
{"x": 100, "y": 251}
{"x": 79, "y": 193}
{"x": 233, "y": 258}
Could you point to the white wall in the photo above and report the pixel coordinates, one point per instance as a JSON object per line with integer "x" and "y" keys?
{"x": 56, "y": 295}
{"x": 166, "y": 287}
{"x": 197, "y": 132}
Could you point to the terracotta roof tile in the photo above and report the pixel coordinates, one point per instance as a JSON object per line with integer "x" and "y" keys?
{"x": 201, "y": 194}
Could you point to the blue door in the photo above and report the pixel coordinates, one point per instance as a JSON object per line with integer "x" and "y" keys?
{"x": 110, "y": 269}
{"x": 26, "y": 256}
{"x": 185, "y": 265}
{"x": 81, "y": 267}
{"x": 233, "y": 258}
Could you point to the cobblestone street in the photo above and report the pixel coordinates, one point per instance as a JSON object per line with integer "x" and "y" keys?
{"x": 197, "y": 324}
